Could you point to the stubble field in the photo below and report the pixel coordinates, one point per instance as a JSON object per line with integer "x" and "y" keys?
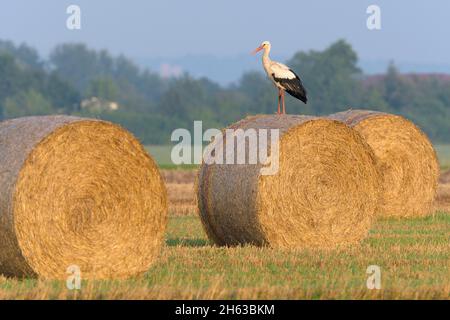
{"x": 413, "y": 256}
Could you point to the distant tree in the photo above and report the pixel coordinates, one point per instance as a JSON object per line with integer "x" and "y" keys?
{"x": 26, "y": 103}
{"x": 11, "y": 79}
{"x": 16, "y": 80}
{"x": 99, "y": 72}
{"x": 398, "y": 91}
{"x": 151, "y": 107}
{"x": 261, "y": 94}
{"x": 149, "y": 128}
{"x": 104, "y": 88}
{"x": 372, "y": 98}
{"x": 62, "y": 95}
{"x": 183, "y": 96}
{"x": 23, "y": 54}
{"x": 151, "y": 85}
{"x": 330, "y": 76}
{"x": 77, "y": 64}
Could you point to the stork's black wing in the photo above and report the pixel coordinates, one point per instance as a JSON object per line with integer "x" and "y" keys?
{"x": 293, "y": 86}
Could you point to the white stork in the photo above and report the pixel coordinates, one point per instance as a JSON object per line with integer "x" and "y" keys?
{"x": 282, "y": 77}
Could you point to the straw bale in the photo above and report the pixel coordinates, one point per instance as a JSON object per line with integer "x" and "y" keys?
{"x": 406, "y": 160}
{"x": 324, "y": 194}
{"x": 77, "y": 191}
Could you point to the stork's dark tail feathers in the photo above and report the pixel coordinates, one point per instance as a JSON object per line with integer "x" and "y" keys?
{"x": 299, "y": 94}
{"x": 294, "y": 87}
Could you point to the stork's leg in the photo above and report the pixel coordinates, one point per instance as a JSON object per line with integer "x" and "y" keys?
{"x": 282, "y": 100}
{"x": 279, "y": 101}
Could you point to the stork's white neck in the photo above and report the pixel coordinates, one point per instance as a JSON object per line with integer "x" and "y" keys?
{"x": 266, "y": 58}
{"x": 266, "y": 52}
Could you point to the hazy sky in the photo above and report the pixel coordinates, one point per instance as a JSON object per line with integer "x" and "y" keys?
{"x": 411, "y": 30}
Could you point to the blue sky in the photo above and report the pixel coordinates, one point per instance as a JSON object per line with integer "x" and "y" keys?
{"x": 412, "y": 32}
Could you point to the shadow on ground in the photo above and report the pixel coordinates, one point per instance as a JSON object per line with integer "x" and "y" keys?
{"x": 185, "y": 242}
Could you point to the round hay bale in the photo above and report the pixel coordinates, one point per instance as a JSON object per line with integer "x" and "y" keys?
{"x": 323, "y": 195}
{"x": 406, "y": 160}
{"x": 80, "y": 192}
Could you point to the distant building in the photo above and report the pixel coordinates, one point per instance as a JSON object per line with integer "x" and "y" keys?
{"x": 98, "y": 104}
{"x": 170, "y": 71}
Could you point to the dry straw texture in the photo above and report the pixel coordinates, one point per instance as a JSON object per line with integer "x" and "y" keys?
{"x": 324, "y": 195}
{"x": 406, "y": 159}
{"x": 181, "y": 191}
{"x": 77, "y": 191}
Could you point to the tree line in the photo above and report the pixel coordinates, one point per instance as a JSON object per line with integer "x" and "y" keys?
{"x": 152, "y": 107}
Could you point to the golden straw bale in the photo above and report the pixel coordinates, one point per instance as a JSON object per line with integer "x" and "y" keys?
{"x": 406, "y": 160}
{"x": 77, "y": 191}
{"x": 324, "y": 194}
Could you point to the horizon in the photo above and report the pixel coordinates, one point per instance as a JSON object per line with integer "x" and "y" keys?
{"x": 177, "y": 66}
{"x": 181, "y": 34}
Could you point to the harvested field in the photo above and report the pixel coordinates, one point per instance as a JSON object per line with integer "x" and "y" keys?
{"x": 443, "y": 198}
{"x": 179, "y": 176}
{"x": 445, "y": 177}
{"x": 443, "y": 194}
{"x": 412, "y": 254}
{"x": 180, "y": 186}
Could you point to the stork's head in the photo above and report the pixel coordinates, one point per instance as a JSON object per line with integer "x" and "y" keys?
{"x": 265, "y": 45}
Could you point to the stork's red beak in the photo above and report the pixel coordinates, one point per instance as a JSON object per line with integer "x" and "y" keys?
{"x": 257, "y": 50}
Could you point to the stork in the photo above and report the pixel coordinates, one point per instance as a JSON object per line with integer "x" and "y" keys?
{"x": 284, "y": 79}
